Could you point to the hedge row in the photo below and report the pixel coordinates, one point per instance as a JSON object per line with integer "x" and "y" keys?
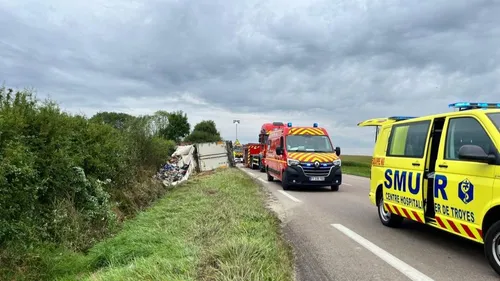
{"x": 66, "y": 179}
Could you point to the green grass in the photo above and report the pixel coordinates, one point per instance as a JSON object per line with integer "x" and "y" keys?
{"x": 213, "y": 228}
{"x": 358, "y": 165}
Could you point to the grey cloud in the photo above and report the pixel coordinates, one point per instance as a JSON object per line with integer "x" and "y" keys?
{"x": 349, "y": 60}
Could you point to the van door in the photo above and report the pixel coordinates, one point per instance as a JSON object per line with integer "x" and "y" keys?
{"x": 271, "y": 156}
{"x": 404, "y": 169}
{"x": 463, "y": 189}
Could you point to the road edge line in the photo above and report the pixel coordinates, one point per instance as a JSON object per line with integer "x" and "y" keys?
{"x": 393, "y": 261}
{"x": 289, "y": 196}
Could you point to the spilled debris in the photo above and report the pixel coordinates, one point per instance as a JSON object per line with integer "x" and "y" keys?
{"x": 178, "y": 167}
{"x": 172, "y": 171}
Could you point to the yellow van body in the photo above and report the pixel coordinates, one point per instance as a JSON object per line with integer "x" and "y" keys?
{"x": 442, "y": 170}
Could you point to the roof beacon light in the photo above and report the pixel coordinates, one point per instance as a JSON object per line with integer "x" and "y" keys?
{"x": 473, "y": 105}
{"x": 289, "y": 124}
{"x": 315, "y": 125}
{"x": 401, "y": 118}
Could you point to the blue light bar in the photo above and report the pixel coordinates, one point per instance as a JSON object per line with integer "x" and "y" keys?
{"x": 289, "y": 124}
{"x": 399, "y": 118}
{"x": 474, "y": 105}
{"x": 315, "y": 125}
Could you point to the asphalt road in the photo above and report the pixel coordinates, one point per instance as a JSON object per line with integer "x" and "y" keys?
{"x": 338, "y": 236}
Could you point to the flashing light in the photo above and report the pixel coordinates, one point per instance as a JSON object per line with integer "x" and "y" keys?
{"x": 400, "y": 118}
{"x": 289, "y": 124}
{"x": 473, "y": 105}
{"x": 315, "y": 125}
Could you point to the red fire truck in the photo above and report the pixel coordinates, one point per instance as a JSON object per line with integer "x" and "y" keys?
{"x": 265, "y": 130}
{"x": 253, "y": 155}
{"x": 303, "y": 156}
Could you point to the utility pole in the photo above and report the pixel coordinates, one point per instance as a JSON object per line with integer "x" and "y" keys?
{"x": 236, "y": 121}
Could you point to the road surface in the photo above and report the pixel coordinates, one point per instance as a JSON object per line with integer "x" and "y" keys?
{"x": 338, "y": 236}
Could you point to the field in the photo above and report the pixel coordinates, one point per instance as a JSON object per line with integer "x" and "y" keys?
{"x": 215, "y": 227}
{"x": 358, "y": 165}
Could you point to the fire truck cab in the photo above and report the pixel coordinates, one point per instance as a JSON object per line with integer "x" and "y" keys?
{"x": 265, "y": 130}
{"x": 303, "y": 156}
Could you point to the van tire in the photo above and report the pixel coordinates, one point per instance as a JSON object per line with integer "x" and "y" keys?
{"x": 387, "y": 218}
{"x": 284, "y": 181}
{"x": 491, "y": 246}
{"x": 334, "y": 187}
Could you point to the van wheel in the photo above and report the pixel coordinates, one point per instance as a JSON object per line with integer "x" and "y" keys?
{"x": 334, "y": 187}
{"x": 492, "y": 246}
{"x": 269, "y": 177}
{"x": 386, "y": 217}
{"x": 284, "y": 182}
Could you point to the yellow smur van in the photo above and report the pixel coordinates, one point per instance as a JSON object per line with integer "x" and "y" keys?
{"x": 442, "y": 170}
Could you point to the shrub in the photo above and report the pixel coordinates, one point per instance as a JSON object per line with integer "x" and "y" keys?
{"x": 61, "y": 175}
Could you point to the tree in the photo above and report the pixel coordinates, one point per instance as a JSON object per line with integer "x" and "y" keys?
{"x": 159, "y": 121}
{"x": 207, "y": 126}
{"x": 178, "y": 126}
{"x": 205, "y": 131}
{"x": 119, "y": 121}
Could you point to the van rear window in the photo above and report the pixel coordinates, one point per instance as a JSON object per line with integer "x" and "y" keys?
{"x": 408, "y": 140}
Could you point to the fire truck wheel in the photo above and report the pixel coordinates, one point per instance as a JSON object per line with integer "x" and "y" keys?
{"x": 386, "y": 217}
{"x": 492, "y": 246}
{"x": 334, "y": 187}
{"x": 284, "y": 182}
{"x": 269, "y": 177}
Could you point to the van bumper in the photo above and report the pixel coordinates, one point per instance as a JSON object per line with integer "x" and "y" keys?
{"x": 295, "y": 176}
{"x": 372, "y": 197}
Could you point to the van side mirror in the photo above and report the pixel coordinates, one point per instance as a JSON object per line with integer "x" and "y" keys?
{"x": 279, "y": 150}
{"x": 475, "y": 153}
{"x": 337, "y": 151}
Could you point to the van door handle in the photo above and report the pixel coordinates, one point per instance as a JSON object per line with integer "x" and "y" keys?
{"x": 443, "y": 166}
{"x": 415, "y": 164}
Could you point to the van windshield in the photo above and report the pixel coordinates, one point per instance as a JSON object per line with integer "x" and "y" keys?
{"x": 495, "y": 118}
{"x": 305, "y": 143}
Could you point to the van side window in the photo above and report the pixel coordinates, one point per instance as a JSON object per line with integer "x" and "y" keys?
{"x": 408, "y": 140}
{"x": 465, "y": 130}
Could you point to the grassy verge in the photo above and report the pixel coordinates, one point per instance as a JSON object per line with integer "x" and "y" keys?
{"x": 358, "y": 165}
{"x": 214, "y": 228}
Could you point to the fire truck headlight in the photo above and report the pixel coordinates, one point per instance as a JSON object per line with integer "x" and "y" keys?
{"x": 292, "y": 162}
{"x": 337, "y": 162}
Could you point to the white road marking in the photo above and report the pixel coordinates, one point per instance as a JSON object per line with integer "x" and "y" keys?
{"x": 398, "y": 264}
{"x": 262, "y": 180}
{"x": 348, "y": 184}
{"x": 289, "y": 196}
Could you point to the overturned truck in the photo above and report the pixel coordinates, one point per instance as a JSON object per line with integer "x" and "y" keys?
{"x": 191, "y": 158}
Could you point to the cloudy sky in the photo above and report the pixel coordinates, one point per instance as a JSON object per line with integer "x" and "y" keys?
{"x": 331, "y": 62}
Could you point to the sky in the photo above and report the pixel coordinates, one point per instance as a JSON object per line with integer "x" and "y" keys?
{"x": 332, "y": 62}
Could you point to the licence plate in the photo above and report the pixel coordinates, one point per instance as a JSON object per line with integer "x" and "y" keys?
{"x": 317, "y": 178}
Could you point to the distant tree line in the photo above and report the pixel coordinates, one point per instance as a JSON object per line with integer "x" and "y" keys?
{"x": 167, "y": 125}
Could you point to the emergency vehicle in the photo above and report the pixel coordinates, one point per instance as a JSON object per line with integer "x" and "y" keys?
{"x": 265, "y": 130}
{"x": 442, "y": 170}
{"x": 303, "y": 156}
{"x": 238, "y": 152}
{"x": 254, "y": 155}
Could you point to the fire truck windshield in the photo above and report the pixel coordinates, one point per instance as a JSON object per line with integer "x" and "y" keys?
{"x": 305, "y": 143}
